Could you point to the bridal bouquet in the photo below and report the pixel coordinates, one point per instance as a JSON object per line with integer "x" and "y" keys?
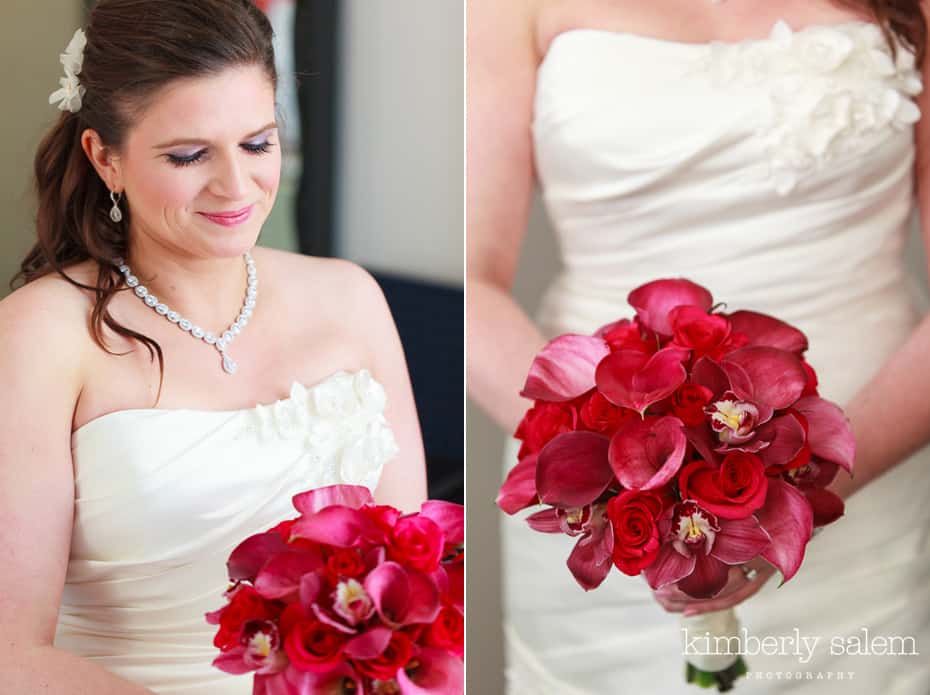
{"x": 350, "y": 597}
{"x": 677, "y": 444}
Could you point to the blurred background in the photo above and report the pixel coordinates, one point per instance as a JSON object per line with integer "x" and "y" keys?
{"x": 371, "y": 101}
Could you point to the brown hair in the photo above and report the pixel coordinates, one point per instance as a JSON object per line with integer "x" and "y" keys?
{"x": 903, "y": 18}
{"x": 134, "y": 49}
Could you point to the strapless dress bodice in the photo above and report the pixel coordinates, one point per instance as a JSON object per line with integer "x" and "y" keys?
{"x": 163, "y": 496}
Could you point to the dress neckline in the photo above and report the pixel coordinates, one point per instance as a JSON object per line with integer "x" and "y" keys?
{"x": 692, "y": 45}
{"x": 206, "y": 411}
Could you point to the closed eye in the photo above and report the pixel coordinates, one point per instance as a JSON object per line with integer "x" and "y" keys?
{"x": 187, "y": 160}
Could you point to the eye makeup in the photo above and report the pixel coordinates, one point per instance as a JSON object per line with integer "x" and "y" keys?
{"x": 183, "y": 159}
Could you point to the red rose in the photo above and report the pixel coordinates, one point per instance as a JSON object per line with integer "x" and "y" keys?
{"x": 291, "y": 615}
{"x": 383, "y": 515}
{"x": 699, "y": 331}
{"x": 733, "y": 491}
{"x": 627, "y": 335}
{"x": 600, "y": 415}
{"x": 634, "y": 517}
{"x": 417, "y": 542}
{"x": 244, "y": 605}
{"x": 395, "y": 656}
{"x": 345, "y": 563}
{"x": 688, "y": 403}
{"x": 448, "y": 631}
{"x": 542, "y": 423}
{"x": 314, "y": 646}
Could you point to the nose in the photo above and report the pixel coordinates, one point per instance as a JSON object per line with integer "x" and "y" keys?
{"x": 230, "y": 179}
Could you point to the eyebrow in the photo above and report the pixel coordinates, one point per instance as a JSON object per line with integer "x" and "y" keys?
{"x": 193, "y": 141}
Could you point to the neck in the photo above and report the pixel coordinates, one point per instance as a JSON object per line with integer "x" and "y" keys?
{"x": 207, "y": 291}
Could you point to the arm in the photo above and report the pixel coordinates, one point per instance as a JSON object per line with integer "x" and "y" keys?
{"x": 41, "y": 381}
{"x": 501, "y": 72}
{"x": 403, "y": 482}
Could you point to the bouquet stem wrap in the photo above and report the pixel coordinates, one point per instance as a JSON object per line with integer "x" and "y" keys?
{"x": 722, "y": 624}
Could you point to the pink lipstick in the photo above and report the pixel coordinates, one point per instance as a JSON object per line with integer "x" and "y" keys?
{"x": 229, "y": 219}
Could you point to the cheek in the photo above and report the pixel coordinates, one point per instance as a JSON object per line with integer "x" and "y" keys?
{"x": 163, "y": 188}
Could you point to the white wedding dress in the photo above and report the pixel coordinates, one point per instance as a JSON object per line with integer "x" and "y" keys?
{"x": 163, "y": 496}
{"x": 778, "y": 173}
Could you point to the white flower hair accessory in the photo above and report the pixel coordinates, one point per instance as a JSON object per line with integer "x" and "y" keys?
{"x": 71, "y": 92}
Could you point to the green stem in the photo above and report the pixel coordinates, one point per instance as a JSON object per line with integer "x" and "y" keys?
{"x": 722, "y": 680}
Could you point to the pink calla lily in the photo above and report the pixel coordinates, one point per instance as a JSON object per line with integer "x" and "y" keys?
{"x": 402, "y": 596}
{"x": 655, "y": 300}
{"x": 295, "y": 682}
{"x": 448, "y": 516}
{"x": 784, "y": 439}
{"x": 247, "y": 559}
{"x": 827, "y": 506}
{"x": 281, "y": 575}
{"x": 437, "y": 673}
{"x": 573, "y": 469}
{"x": 519, "y": 489}
{"x": 564, "y": 368}
{"x": 767, "y": 331}
{"x": 369, "y": 644}
{"x": 646, "y": 455}
{"x": 636, "y": 380}
{"x": 829, "y": 432}
{"x": 788, "y": 518}
{"x": 352, "y": 496}
{"x": 338, "y": 526}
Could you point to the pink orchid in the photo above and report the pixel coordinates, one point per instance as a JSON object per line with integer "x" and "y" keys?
{"x": 769, "y": 378}
{"x": 591, "y": 559}
{"x": 564, "y": 368}
{"x": 259, "y": 651}
{"x": 699, "y": 547}
{"x": 635, "y": 380}
{"x": 655, "y": 300}
{"x": 646, "y": 455}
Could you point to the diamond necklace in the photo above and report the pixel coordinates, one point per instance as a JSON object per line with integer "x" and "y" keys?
{"x": 221, "y": 342}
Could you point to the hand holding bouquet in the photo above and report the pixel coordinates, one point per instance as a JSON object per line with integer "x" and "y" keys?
{"x": 350, "y": 597}
{"x": 677, "y": 444}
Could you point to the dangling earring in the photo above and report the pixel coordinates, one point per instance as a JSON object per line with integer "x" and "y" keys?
{"x": 115, "y": 213}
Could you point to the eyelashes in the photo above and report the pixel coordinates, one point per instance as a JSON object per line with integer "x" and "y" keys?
{"x": 251, "y": 148}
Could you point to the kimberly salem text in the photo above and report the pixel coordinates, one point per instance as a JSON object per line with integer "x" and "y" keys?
{"x": 861, "y": 643}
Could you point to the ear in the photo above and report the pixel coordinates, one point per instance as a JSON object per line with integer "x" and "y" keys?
{"x": 103, "y": 159}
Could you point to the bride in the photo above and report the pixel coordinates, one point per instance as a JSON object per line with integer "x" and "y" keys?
{"x": 147, "y": 328}
{"x": 770, "y": 152}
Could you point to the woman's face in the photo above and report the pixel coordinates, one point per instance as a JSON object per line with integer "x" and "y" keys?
{"x": 201, "y": 169}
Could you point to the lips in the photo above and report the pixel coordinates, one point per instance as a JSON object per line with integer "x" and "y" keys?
{"x": 230, "y": 218}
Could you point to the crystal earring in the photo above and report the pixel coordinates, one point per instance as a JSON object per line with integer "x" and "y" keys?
{"x": 115, "y": 213}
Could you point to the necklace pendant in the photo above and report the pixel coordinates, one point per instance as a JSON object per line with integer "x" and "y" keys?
{"x": 229, "y": 365}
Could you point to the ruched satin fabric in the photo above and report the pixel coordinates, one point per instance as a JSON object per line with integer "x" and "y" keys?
{"x": 163, "y": 496}
{"x": 779, "y": 174}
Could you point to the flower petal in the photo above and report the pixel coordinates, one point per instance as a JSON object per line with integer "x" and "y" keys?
{"x": 281, "y": 575}
{"x": 789, "y": 520}
{"x": 564, "y": 368}
{"x": 654, "y": 300}
{"x": 635, "y": 380}
{"x": 402, "y": 596}
{"x": 668, "y": 567}
{"x": 546, "y": 521}
{"x": 369, "y": 644}
{"x": 776, "y": 376}
{"x": 573, "y": 469}
{"x": 352, "y": 496}
{"x": 785, "y": 436}
{"x": 519, "y": 489}
{"x": 438, "y": 673}
{"x": 448, "y": 516}
{"x": 339, "y": 526}
{"x": 707, "y": 579}
{"x": 829, "y": 432}
{"x": 826, "y": 505}
{"x": 739, "y": 540}
{"x": 590, "y": 560}
{"x": 647, "y": 454}
{"x": 765, "y": 330}
{"x": 247, "y": 559}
